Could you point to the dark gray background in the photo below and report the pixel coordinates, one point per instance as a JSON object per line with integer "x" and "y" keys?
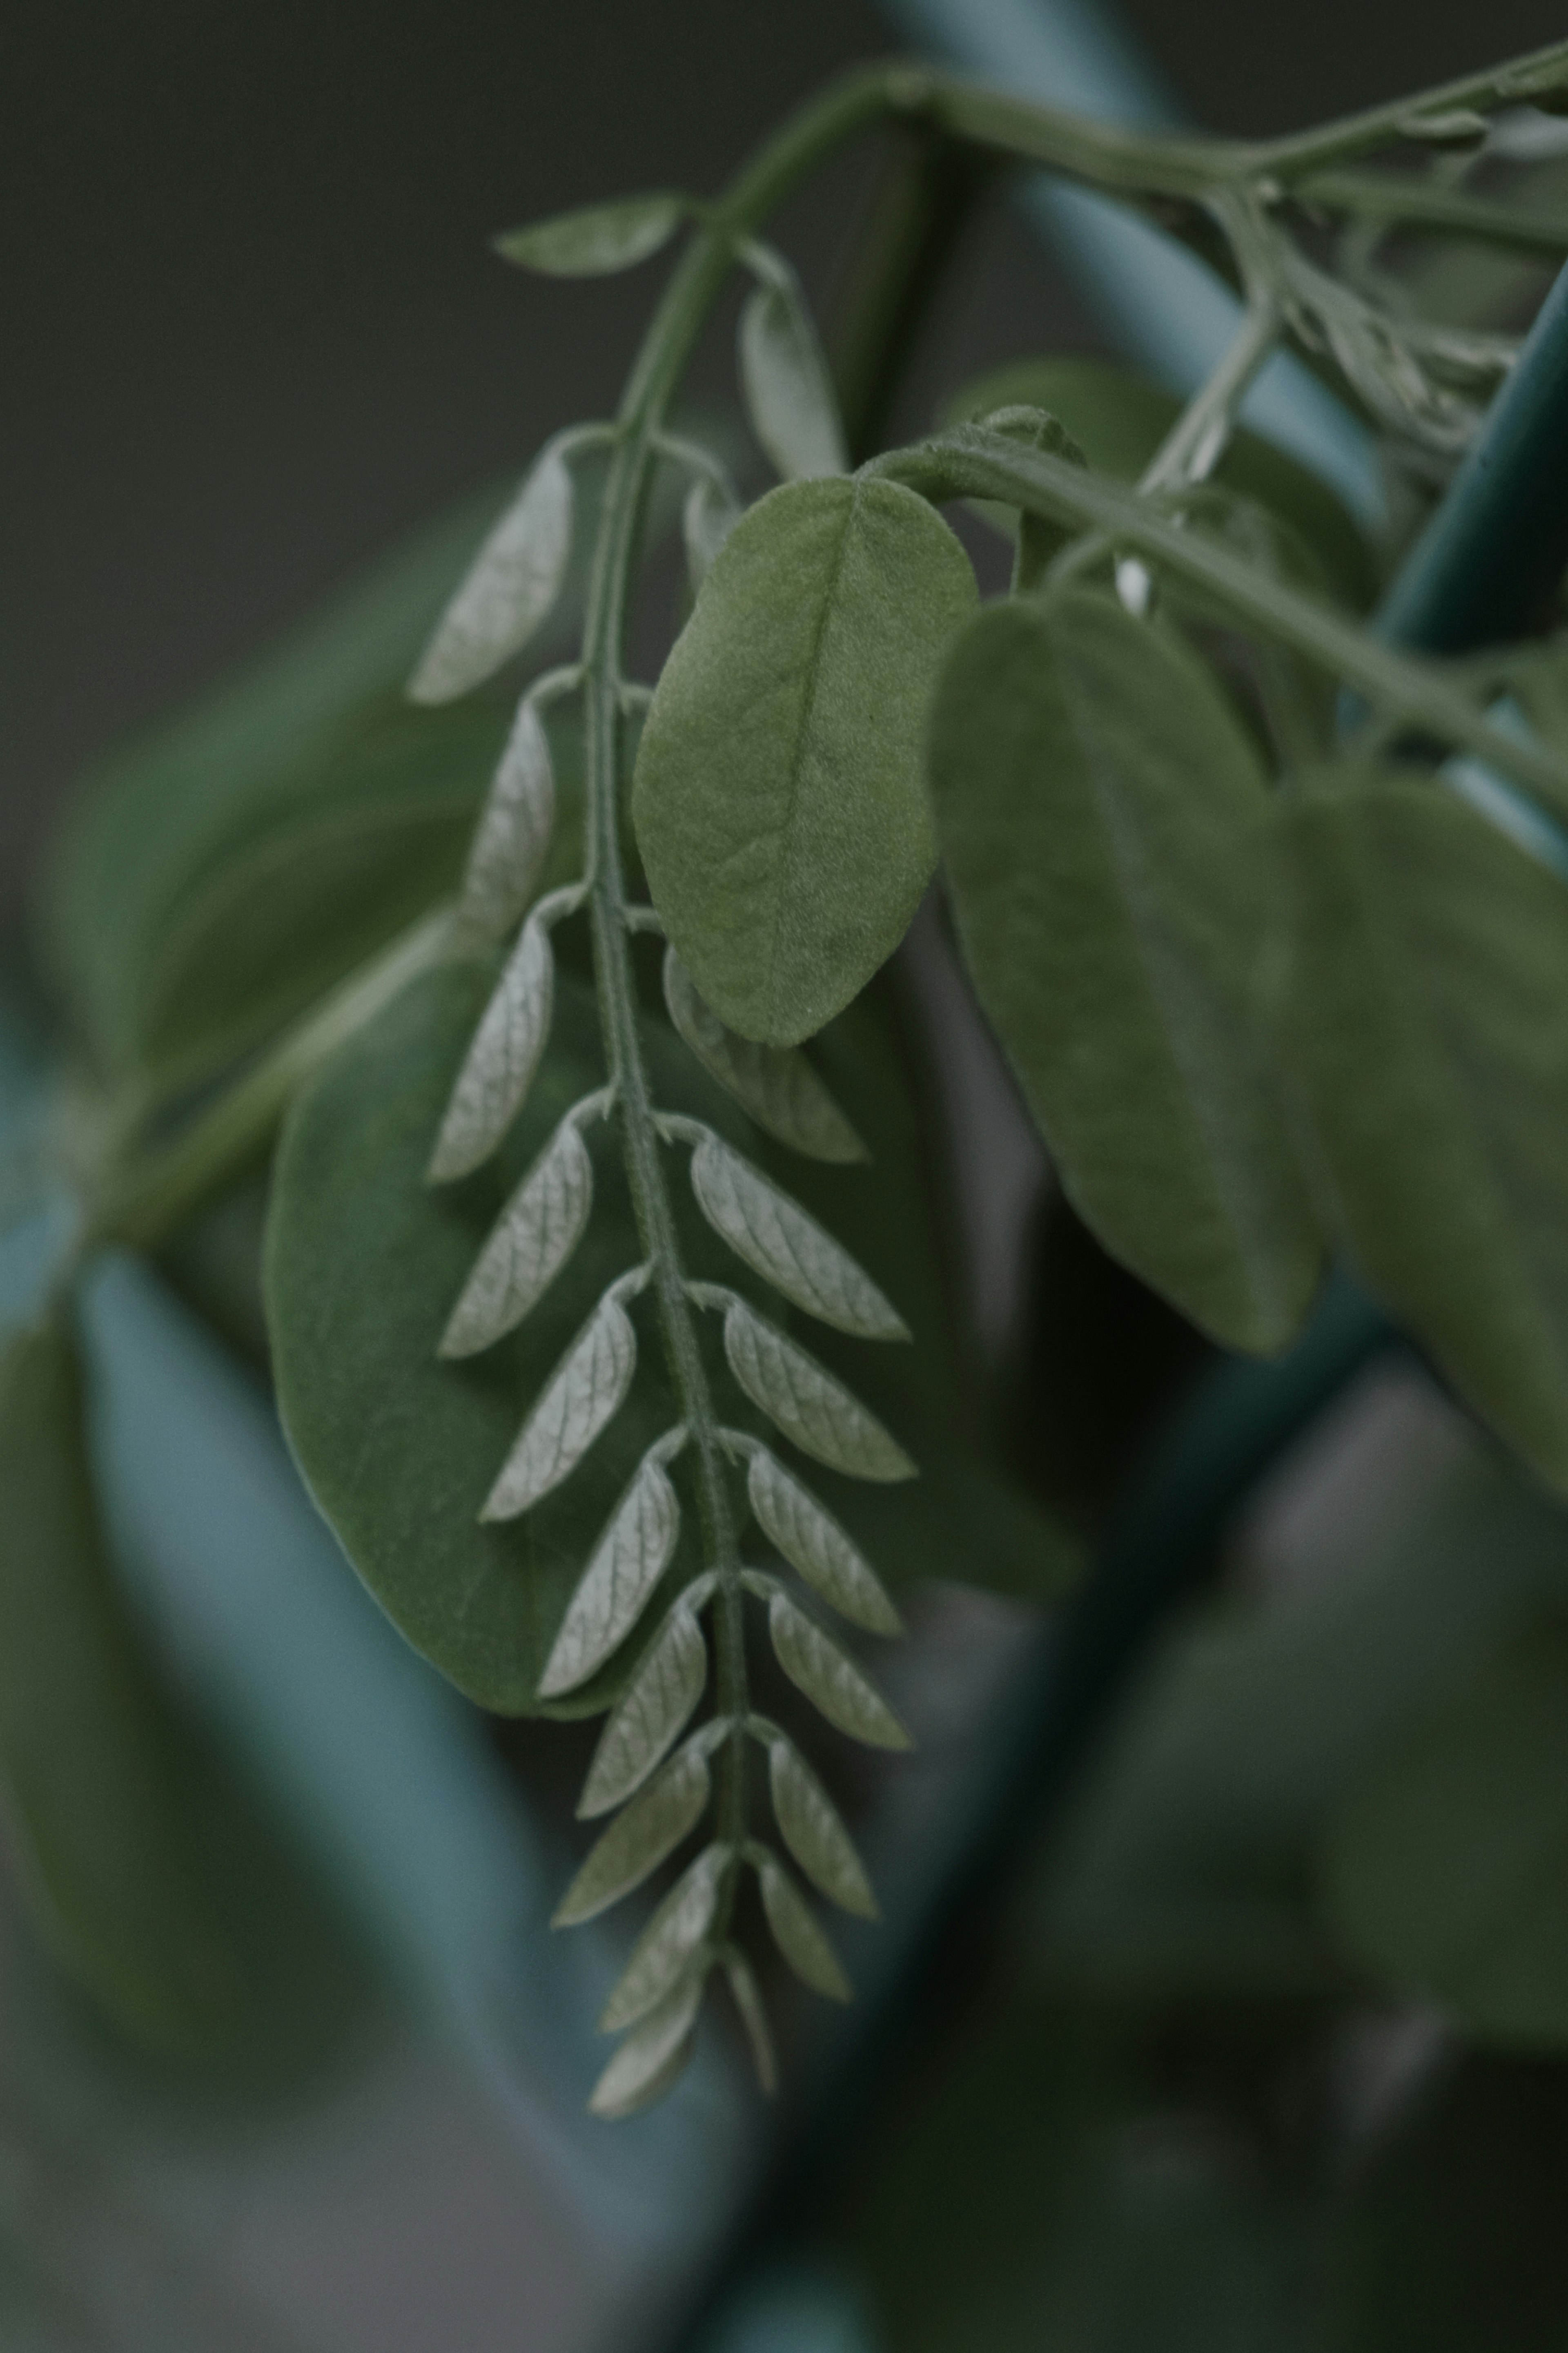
{"x": 252, "y": 328}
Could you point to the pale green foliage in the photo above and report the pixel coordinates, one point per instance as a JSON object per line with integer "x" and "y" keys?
{"x": 597, "y": 239}
{"x": 789, "y": 394}
{"x": 778, "y": 798}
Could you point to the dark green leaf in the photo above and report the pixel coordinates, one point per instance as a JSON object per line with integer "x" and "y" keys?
{"x": 1428, "y": 973}
{"x": 778, "y": 799}
{"x": 1445, "y": 1868}
{"x": 596, "y": 240}
{"x": 1119, "y": 417}
{"x": 1101, "y": 815}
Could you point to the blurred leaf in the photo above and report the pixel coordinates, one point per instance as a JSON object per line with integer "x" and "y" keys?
{"x": 776, "y": 1085}
{"x": 1102, "y": 817}
{"x": 596, "y": 240}
{"x": 664, "y": 1951}
{"x": 1446, "y": 1864}
{"x": 509, "y": 589}
{"x": 651, "y": 1827}
{"x": 778, "y": 800}
{"x": 1428, "y": 969}
{"x": 833, "y": 1682}
{"x": 1118, "y": 418}
{"x": 650, "y": 1713}
{"x": 788, "y": 390}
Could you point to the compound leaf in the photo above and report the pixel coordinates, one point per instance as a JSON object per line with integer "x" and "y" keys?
{"x": 532, "y": 1241}
{"x": 814, "y": 1832}
{"x": 664, "y": 1951}
{"x": 789, "y": 393}
{"x": 587, "y": 1389}
{"x": 651, "y": 1713}
{"x": 626, "y": 1565}
{"x": 595, "y": 240}
{"x": 778, "y": 799}
{"x": 1102, "y": 818}
{"x": 638, "y": 1841}
{"x": 786, "y": 1245}
{"x": 814, "y": 1544}
{"x": 804, "y": 1400}
{"x": 1427, "y": 974}
{"x": 508, "y": 590}
{"x": 798, "y": 1934}
{"x": 776, "y": 1084}
{"x": 499, "y": 1068}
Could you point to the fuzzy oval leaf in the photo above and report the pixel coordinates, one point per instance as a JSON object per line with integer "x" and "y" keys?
{"x": 1428, "y": 973}
{"x": 814, "y": 1832}
{"x": 627, "y": 1564}
{"x": 786, "y": 1245}
{"x": 1446, "y": 1864}
{"x": 789, "y": 394}
{"x": 587, "y": 1389}
{"x": 778, "y": 798}
{"x": 649, "y": 1716}
{"x": 834, "y": 1685}
{"x": 776, "y": 1084}
{"x": 665, "y": 1949}
{"x": 532, "y": 1241}
{"x": 707, "y": 519}
{"x": 499, "y": 1068}
{"x": 801, "y": 1397}
{"x": 652, "y": 2057}
{"x": 798, "y": 1934}
{"x": 595, "y": 240}
{"x": 638, "y": 1841}
{"x": 814, "y": 1544}
{"x": 511, "y": 841}
{"x": 509, "y": 589}
{"x": 1102, "y": 817}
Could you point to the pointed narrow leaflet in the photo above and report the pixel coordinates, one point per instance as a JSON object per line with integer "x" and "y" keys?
{"x": 650, "y": 1714}
{"x": 510, "y": 588}
{"x": 595, "y": 239}
{"x": 499, "y": 1068}
{"x": 585, "y": 1389}
{"x": 789, "y": 393}
{"x": 779, "y": 801}
{"x": 814, "y": 1544}
{"x": 652, "y": 2055}
{"x": 787, "y": 1245}
{"x": 797, "y": 1932}
{"x": 532, "y": 1241}
{"x": 626, "y": 1565}
{"x": 775, "y": 1084}
{"x": 665, "y": 1949}
{"x": 1103, "y": 816}
{"x": 512, "y": 838}
{"x": 638, "y": 1841}
{"x": 812, "y": 1832}
{"x": 1424, "y": 1007}
{"x": 802, "y": 1397}
{"x": 830, "y": 1679}
{"x": 747, "y": 1995}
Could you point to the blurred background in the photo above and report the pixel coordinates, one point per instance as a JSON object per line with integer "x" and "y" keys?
{"x": 254, "y": 333}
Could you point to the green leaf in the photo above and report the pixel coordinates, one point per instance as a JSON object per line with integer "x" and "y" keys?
{"x": 596, "y": 240}
{"x": 509, "y": 589}
{"x": 707, "y": 519}
{"x": 533, "y": 1240}
{"x": 778, "y": 798}
{"x": 582, "y": 1397}
{"x": 650, "y": 1714}
{"x": 638, "y": 1841}
{"x": 787, "y": 1246}
{"x": 499, "y": 1068}
{"x": 143, "y": 1861}
{"x": 652, "y": 2056}
{"x": 813, "y": 1829}
{"x": 1101, "y": 815}
{"x": 399, "y": 1448}
{"x": 1118, "y": 418}
{"x": 814, "y": 1544}
{"x": 789, "y": 393}
{"x": 511, "y": 842}
{"x": 801, "y": 1397}
{"x": 775, "y": 1084}
{"x": 1445, "y": 1867}
{"x": 797, "y": 1932}
{"x": 623, "y": 1569}
{"x": 824, "y": 1672}
{"x": 1427, "y": 967}
{"x": 664, "y": 1951}
{"x": 747, "y": 1995}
